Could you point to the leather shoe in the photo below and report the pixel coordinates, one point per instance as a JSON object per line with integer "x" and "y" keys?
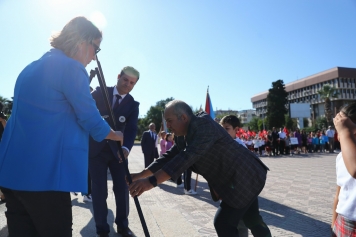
{"x": 103, "y": 235}
{"x": 124, "y": 232}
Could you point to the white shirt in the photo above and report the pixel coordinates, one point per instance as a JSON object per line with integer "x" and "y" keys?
{"x": 330, "y": 133}
{"x": 240, "y": 142}
{"x": 282, "y": 134}
{"x": 154, "y": 136}
{"x": 347, "y": 196}
{"x": 115, "y": 92}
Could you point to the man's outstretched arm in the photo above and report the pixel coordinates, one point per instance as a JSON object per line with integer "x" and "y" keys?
{"x": 144, "y": 183}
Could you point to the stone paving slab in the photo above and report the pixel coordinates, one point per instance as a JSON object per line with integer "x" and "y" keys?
{"x": 296, "y": 201}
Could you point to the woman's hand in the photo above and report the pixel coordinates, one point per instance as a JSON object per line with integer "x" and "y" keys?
{"x": 115, "y": 136}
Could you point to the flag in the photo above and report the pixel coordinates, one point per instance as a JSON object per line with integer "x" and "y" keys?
{"x": 208, "y": 106}
{"x": 164, "y": 124}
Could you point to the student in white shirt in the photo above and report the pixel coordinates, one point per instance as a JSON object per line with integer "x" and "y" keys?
{"x": 282, "y": 137}
{"x": 232, "y": 124}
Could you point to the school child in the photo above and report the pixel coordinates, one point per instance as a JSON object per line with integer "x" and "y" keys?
{"x": 169, "y": 141}
{"x": 256, "y": 144}
{"x": 249, "y": 144}
{"x": 162, "y": 142}
{"x": 309, "y": 143}
{"x": 315, "y": 142}
{"x": 287, "y": 145}
{"x": 344, "y": 215}
{"x": 293, "y": 147}
{"x": 263, "y": 146}
{"x": 322, "y": 143}
{"x": 268, "y": 144}
{"x": 231, "y": 124}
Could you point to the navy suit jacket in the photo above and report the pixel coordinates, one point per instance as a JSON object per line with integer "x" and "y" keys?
{"x": 148, "y": 144}
{"x": 127, "y": 109}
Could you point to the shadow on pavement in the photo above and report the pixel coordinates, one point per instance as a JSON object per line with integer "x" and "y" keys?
{"x": 308, "y": 155}
{"x": 89, "y": 229}
{"x": 4, "y": 231}
{"x": 290, "y": 219}
{"x": 273, "y": 213}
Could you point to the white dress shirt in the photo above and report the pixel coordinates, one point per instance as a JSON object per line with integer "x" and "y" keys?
{"x": 115, "y": 92}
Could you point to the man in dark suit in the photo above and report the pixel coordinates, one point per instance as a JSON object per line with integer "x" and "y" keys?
{"x": 235, "y": 175}
{"x": 148, "y": 144}
{"x": 103, "y": 155}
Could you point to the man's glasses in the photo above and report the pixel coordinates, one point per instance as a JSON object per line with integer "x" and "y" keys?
{"x": 96, "y": 48}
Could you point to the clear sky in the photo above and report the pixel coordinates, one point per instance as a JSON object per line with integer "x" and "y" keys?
{"x": 236, "y": 47}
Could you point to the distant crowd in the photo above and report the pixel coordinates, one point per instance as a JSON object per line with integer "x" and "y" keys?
{"x": 289, "y": 142}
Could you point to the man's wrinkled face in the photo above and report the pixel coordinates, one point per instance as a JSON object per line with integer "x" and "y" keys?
{"x": 178, "y": 126}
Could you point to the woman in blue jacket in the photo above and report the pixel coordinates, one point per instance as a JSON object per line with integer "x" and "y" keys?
{"x": 44, "y": 148}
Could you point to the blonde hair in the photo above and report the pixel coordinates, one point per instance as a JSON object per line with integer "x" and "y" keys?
{"x": 77, "y": 30}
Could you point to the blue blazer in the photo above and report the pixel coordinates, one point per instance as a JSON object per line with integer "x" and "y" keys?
{"x": 45, "y": 143}
{"x": 126, "y": 116}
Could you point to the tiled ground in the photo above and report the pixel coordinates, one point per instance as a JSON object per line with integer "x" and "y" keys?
{"x": 296, "y": 201}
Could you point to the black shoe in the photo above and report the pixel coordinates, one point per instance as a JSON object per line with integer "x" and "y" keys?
{"x": 103, "y": 235}
{"x": 124, "y": 232}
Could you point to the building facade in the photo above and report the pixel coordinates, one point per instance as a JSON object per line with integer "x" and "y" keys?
{"x": 245, "y": 116}
{"x": 306, "y": 91}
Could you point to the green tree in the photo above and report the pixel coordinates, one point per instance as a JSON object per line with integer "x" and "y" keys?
{"x": 6, "y": 105}
{"x": 276, "y": 104}
{"x": 253, "y": 124}
{"x": 288, "y": 122}
{"x": 260, "y": 124}
{"x": 321, "y": 123}
{"x": 326, "y": 93}
{"x": 154, "y": 115}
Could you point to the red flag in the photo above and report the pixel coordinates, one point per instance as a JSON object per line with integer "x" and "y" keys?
{"x": 208, "y": 105}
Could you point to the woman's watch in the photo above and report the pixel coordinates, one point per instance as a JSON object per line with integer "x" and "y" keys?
{"x": 153, "y": 180}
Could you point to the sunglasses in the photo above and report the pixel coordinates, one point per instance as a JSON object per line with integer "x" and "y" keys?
{"x": 96, "y": 48}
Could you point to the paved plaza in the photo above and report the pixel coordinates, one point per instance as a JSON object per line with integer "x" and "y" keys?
{"x": 296, "y": 201}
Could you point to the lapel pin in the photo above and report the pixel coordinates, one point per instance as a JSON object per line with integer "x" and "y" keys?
{"x": 122, "y": 119}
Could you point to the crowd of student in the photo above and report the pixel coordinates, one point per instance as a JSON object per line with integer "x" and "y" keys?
{"x": 285, "y": 142}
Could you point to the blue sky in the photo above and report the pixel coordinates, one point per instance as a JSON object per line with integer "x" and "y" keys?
{"x": 237, "y": 48}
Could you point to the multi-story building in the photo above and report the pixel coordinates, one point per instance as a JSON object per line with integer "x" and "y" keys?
{"x": 229, "y": 111}
{"x": 245, "y": 116}
{"x": 306, "y": 91}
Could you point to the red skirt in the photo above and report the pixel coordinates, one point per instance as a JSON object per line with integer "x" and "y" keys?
{"x": 344, "y": 227}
